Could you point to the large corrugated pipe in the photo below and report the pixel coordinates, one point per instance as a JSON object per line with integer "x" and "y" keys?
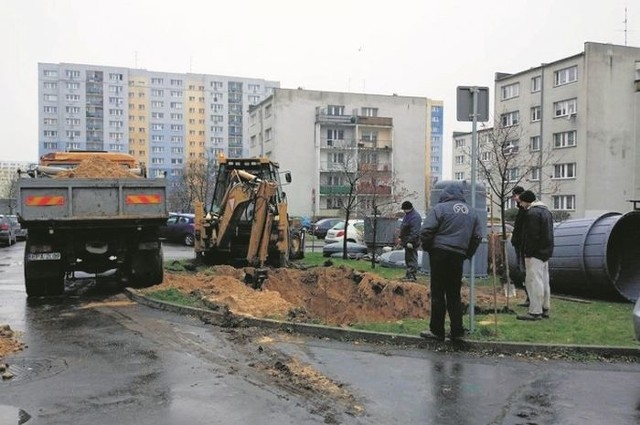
{"x": 597, "y": 257}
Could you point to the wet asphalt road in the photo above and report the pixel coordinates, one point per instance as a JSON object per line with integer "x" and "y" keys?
{"x": 94, "y": 357}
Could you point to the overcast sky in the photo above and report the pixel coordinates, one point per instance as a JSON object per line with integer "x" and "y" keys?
{"x": 409, "y": 47}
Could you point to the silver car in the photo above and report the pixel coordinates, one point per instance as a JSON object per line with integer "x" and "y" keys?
{"x": 21, "y": 234}
{"x": 636, "y": 319}
{"x": 7, "y": 231}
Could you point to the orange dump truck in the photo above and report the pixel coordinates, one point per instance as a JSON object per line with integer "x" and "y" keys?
{"x": 90, "y": 212}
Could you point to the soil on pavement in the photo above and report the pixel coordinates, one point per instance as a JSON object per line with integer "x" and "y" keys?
{"x": 9, "y": 342}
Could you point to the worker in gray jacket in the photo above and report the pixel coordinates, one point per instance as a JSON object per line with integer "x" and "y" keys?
{"x": 451, "y": 233}
{"x": 410, "y": 239}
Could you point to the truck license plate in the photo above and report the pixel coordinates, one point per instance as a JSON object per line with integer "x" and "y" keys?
{"x": 44, "y": 256}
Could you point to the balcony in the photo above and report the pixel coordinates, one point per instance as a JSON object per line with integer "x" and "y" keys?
{"x": 334, "y": 190}
{"x": 368, "y": 188}
{"x": 375, "y": 121}
{"x": 323, "y": 117}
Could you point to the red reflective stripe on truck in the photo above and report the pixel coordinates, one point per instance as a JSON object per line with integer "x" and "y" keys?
{"x": 143, "y": 199}
{"x": 44, "y": 201}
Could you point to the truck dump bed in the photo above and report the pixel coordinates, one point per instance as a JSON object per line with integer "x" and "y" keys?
{"x": 74, "y": 201}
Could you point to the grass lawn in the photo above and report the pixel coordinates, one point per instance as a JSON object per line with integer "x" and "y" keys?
{"x": 593, "y": 323}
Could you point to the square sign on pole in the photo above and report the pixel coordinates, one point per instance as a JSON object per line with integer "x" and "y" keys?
{"x": 465, "y": 103}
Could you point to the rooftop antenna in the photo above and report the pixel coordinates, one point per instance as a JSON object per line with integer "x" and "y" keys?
{"x": 625, "y": 25}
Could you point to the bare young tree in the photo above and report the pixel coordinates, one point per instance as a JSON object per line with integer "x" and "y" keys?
{"x": 365, "y": 186}
{"x": 196, "y": 184}
{"x": 506, "y": 160}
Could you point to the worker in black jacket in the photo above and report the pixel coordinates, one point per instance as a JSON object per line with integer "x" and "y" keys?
{"x": 517, "y": 275}
{"x": 410, "y": 239}
{"x": 452, "y": 232}
{"x": 537, "y": 248}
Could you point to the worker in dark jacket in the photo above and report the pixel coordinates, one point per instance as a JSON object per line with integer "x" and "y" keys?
{"x": 410, "y": 239}
{"x": 451, "y": 232}
{"x": 516, "y": 241}
{"x": 537, "y": 248}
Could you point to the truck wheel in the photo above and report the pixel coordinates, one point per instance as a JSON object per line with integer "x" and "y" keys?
{"x": 189, "y": 239}
{"x": 147, "y": 269}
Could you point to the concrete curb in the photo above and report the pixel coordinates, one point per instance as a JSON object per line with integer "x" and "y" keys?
{"x": 225, "y": 318}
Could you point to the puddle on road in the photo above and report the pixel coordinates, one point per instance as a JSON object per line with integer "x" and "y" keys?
{"x": 10, "y": 415}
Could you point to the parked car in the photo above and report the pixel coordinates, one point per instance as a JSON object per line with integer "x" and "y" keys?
{"x": 179, "y": 228}
{"x": 354, "y": 231}
{"x": 300, "y": 222}
{"x": 395, "y": 258}
{"x": 335, "y": 249}
{"x": 636, "y": 319}
{"x": 320, "y": 227}
{"x": 21, "y": 234}
{"x": 7, "y": 231}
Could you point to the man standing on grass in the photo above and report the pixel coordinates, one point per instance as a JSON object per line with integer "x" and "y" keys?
{"x": 537, "y": 248}
{"x": 452, "y": 232}
{"x": 410, "y": 239}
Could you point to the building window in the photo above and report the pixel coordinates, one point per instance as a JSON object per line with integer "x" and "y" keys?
{"x": 459, "y": 175}
{"x": 72, "y": 74}
{"x": 115, "y": 76}
{"x": 217, "y": 118}
{"x": 336, "y": 158}
{"x": 50, "y": 85}
{"x": 564, "y": 171}
{"x": 253, "y": 88}
{"x": 510, "y": 118}
{"x": 176, "y": 139}
{"x": 459, "y": 159}
{"x": 565, "y": 139}
{"x": 50, "y": 109}
{"x": 51, "y": 145}
{"x": 335, "y": 134}
{"x": 50, "y": 73}
{"x": 174, "y": 82}
{"x": 157, "y": 138}
{"x": 51, "y": 97}
{"x": 115, "y": 89}
{"x": 51, "y": 121}
{"x": 157, "y": 81}
{"x": 176, "y": 105}
{"x": 157, "y": 160}
{"x": 72, "y": 133}
{"x": 335, "y": 110}
{"x": 460, "y": 143}
{"x": 369, "y": 112}
{"x": 157, "y": 104}
{"x": 157, "y": 115}
{"x": 267, "y": 110}
{"x": 157, "y": 126}
{"x": 565, "y": 108}
{"x": 564, "y": 202}
{"x": 72, "y": 97}
{"x": 254, "y": 100}
{"x": 267, "y": 134}
{"x": 485, "y": 156}
{"x": 534, "y": 143}
{"x": 177, "y": 127}
{"x": 536, "y": 113}
{"x": 510, "y": 91}
{"x": 72, "y": 109}
{"x": 565, "y": 76}
{"x": 50, "y": 133}
{"x": 72, "y": 146}
{"x": 513, "y": 174}
{"x": 534, "y": 174}
{"x": 116, "y": 112}
{"x": 157, "y": 92}
{"x": 536, "y": 84}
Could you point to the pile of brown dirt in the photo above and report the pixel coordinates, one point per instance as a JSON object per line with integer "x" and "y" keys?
{"x": 332, "y": 295}
{"x": 96, "y": 167}
{"x": 9, "y": 342}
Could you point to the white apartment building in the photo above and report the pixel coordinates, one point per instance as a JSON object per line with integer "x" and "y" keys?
{"x": 581, "y": 115}
{"x": 8, "y": 174}
{"x": 315, "y": 133}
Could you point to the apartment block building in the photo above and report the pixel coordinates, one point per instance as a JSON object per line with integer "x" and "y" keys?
{"x": 324, "y": 138}
{"x": 581, "y": 116}
{"x": 163, "y": 119}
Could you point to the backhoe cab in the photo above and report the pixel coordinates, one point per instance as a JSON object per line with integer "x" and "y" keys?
{"x": 247, "y": 222}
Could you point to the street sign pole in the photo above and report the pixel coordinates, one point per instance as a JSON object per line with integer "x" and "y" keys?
{"x": 474, "y": 157}
{"x": 473, "y": 105}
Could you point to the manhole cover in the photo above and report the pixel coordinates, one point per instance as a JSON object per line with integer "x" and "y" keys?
{"x": 31, "y": 369}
